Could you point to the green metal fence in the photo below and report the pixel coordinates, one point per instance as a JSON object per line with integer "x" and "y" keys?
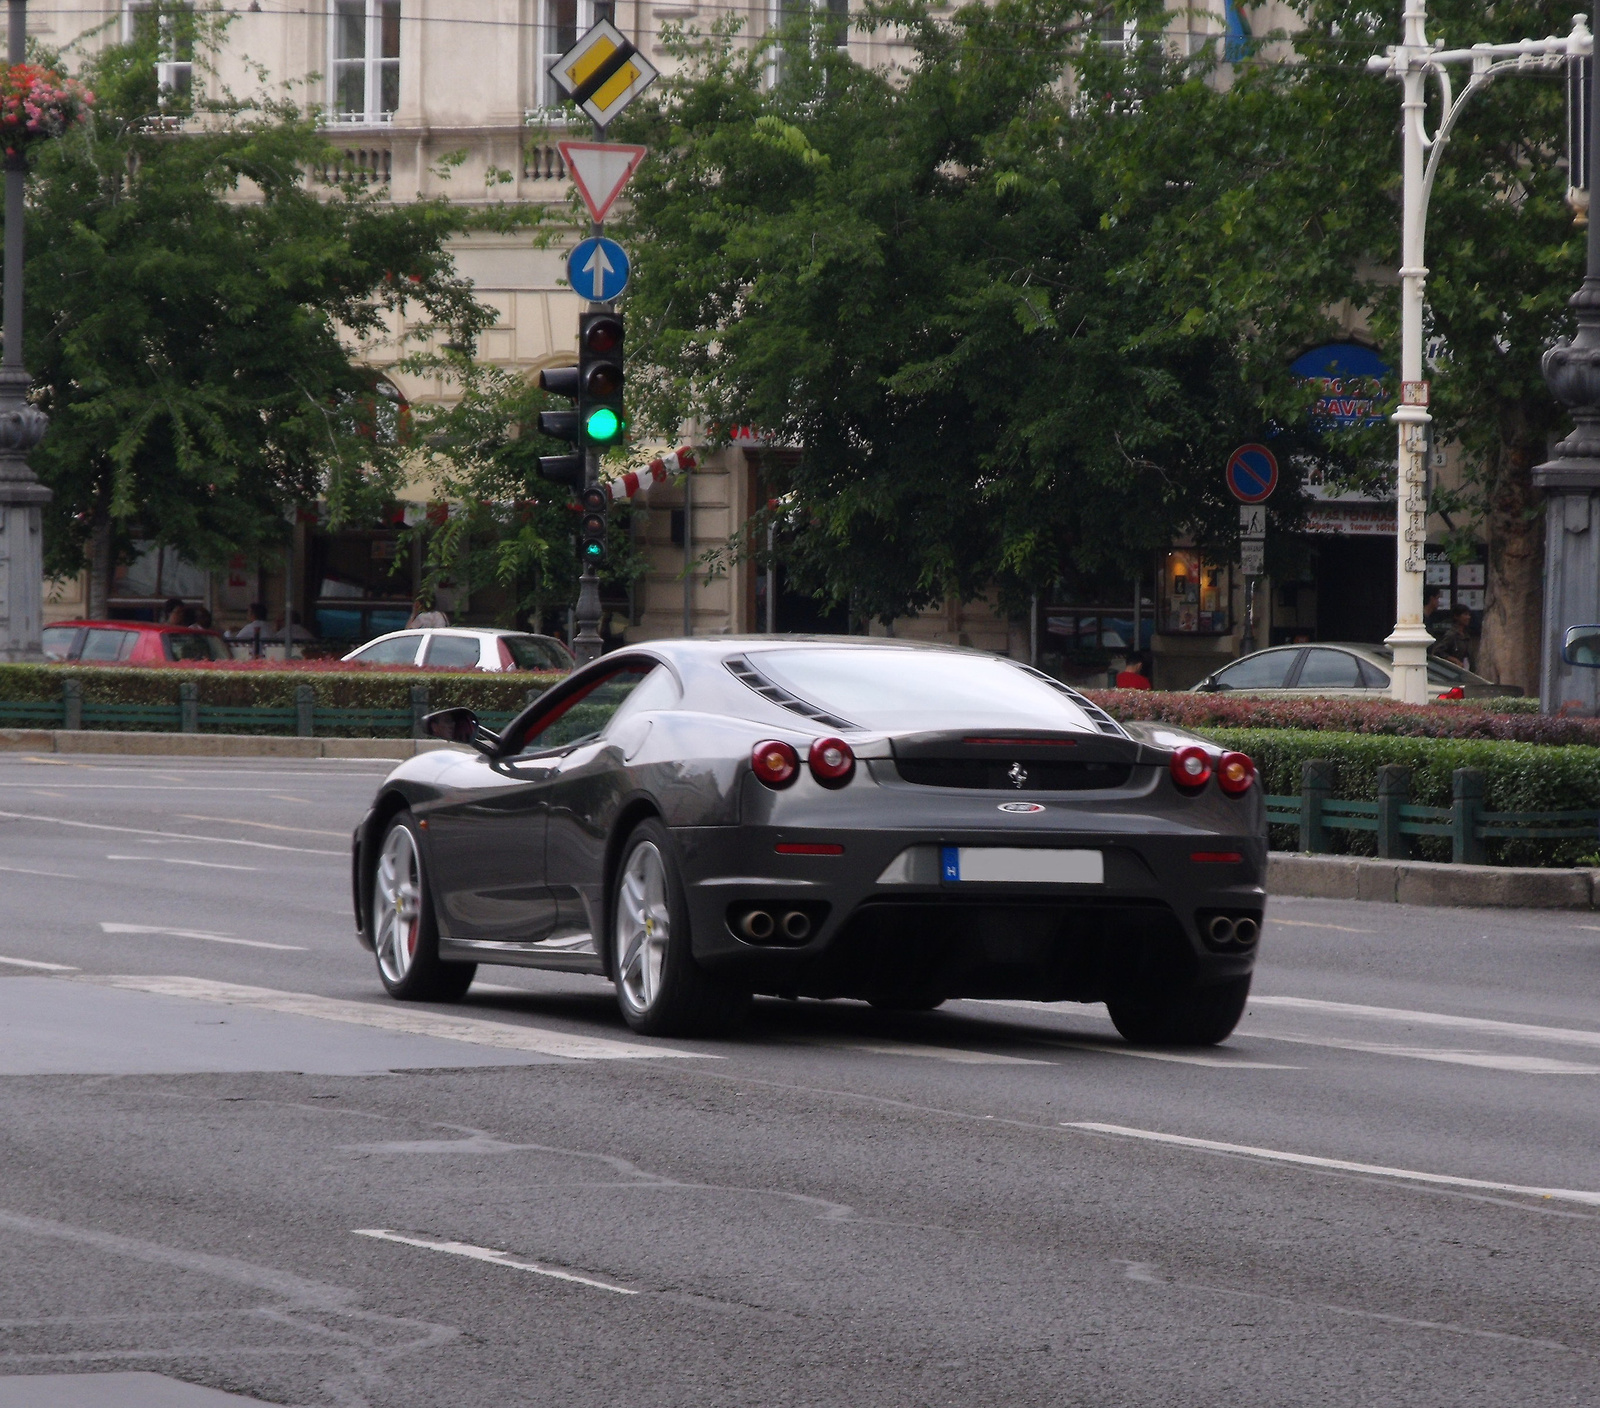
{"x": 189, "y": 714}
{"x": 1395, "y": 818}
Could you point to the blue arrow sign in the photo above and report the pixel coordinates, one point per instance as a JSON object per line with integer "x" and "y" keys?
{"x": 598, "y": 269}
{"x": 1252, "y": 473}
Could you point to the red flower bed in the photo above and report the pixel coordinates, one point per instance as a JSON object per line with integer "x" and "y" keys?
{"x": 1343, "y": 715}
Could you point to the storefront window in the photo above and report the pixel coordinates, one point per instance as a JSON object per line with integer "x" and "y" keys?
{"x": 1194, "y": 595}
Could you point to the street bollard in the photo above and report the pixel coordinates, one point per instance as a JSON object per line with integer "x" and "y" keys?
{"x": 72, "y": 704}
{"x": 1394, "y": 792}
{"x": 305, "y": 710}
{"x": 1466, "y": 804}
{"x": 1316, "y": 787}
{"x": 189, "y": 706}
{"x": 419, "y": 707}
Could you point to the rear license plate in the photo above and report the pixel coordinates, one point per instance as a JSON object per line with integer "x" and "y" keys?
{"x": 1015, "y": 865}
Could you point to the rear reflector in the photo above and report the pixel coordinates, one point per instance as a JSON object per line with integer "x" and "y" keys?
{"x": 1216, "y": 857}
{"x": 807, "y": 848}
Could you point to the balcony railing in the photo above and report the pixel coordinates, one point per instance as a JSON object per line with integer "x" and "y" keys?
{"x": 362, "y": 166}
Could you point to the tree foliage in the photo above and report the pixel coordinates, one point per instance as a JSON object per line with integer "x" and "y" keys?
{"x": 194, "y": 307}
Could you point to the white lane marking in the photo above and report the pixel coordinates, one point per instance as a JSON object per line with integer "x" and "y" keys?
{"x": 934, "y": 1053}
{"x": 489, "y": 1254}
{"x": 264, "y": 825}
{"x": 282, "y": 797}
{"x": 40, "y": 792}
{"x": 180, "y": 860}
{"x": 43, "y": 967}
{"x": 196, "y": 934}
{"x": 1214, "y": 1146}
{"x": 1592, "y": 928}
{"x": 1486, "y": 1060}
{"x": 502, "y": 1036}
{"x": 1059, "y": 1008}
{"x": 169, "y": 835}
{"x": 51, "y": 874}
{"x": 1571, "y": 1036}
{"x": 1109, "y": 1049}
{"x": 1308, "y": 924}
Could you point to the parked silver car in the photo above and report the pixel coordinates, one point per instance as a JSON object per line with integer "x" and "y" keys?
{"x": 1339, "y": 668}
{"x": 466, "y": 648}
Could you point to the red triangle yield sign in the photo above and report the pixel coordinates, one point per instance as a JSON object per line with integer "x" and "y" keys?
{"x": 600, "y": 170}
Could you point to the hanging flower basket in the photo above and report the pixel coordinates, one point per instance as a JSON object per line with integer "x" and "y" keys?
{"x": 37, "y": 102}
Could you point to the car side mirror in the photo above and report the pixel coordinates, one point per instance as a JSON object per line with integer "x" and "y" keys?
{"x": 1581, "y": 646}
{"x": 460, "y": 726}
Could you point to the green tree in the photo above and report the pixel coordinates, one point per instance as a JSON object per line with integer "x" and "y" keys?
{"x": 194, "y": 306}
{"x": 1291, "y": 205}
{"x": 931, "y": 282}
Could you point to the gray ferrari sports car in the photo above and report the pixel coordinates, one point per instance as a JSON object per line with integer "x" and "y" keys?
{"x": 702, "y": 820}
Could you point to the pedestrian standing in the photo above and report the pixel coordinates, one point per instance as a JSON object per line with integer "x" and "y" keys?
{"x": 424, "y": 616}
{"x": 1457, "y": 644}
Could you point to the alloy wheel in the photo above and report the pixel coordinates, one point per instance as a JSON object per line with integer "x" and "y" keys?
{"x": 643, "y": 926}
{"x": 397, "y": 904}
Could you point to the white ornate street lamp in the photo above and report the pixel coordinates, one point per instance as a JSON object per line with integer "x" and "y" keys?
{"x": 1413, "y": 62}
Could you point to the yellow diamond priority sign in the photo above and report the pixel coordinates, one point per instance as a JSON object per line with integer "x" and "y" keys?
{"x": 602, "y": 73}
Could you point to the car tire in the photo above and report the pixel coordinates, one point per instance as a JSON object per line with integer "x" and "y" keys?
{"x": 403, "y": 928}
{"x": 1181, "y": 1013}
{"x": 661, "y": 990}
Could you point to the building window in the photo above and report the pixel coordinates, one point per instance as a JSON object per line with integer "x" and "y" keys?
{"x": 364, "y": 60}
{"x": 1194, "y": 595}
{"x": 829, "y": 23}
{"x": 172, "y": 25}
{"x": 561, "y": 24}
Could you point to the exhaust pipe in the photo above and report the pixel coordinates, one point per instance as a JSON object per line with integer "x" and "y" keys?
{"x": 756, "y": 924}
{"x": 797, "y": 926}
{"x": 1246, "y": 931}
{"x": 1221, "y": 929}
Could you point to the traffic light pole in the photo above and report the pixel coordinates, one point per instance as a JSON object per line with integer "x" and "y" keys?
{"x": 586, "y": 644}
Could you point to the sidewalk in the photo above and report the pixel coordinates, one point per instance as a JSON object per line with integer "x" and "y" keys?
{"x": 209, "y": 745}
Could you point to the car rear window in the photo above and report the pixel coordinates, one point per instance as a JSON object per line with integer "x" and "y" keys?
{"x": 190, "y": 646}
{"x": 57, "y": 641}
{"x": 105, "y": 645}
{"x": 908, "y": 689}
{"x": 531, "y": 653}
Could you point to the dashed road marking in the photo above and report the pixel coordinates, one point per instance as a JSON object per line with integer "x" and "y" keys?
{"x": 49, "y": 874}
{"x": 1572, "y": 1036}
{"x": 1111, "y": 1049}
{"x": 264, "y": 825}
{"x": 392, "y": 1017}
{"x": 1309, "y": 924}
{"x": 1484, "y": 1060}
{"x": 493, "y": 1257}
{"x": 1407, "y": 1175}
{"x": 955, "y": 1055}
{"x": 205, "y": 934}
{"x": 168, "y": 835}
{"x": 182, "y": 860}
{"x": 42, "y": 967}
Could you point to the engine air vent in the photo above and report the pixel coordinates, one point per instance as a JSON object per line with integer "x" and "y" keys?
{"x": 741, "y": 669}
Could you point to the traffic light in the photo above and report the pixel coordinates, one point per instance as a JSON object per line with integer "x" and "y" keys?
{"x": 562, "y": 425}
{"x": 600, "y": 379}
{"x": 592, "y": 527}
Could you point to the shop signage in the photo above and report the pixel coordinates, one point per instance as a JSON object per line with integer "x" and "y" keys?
{"x": 1349, "y": 380}
{"x": 1348, "y": 518}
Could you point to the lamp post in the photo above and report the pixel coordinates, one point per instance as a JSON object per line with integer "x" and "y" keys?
{"x": 1571, "y": 477}
{"x": 22, "y": 426}
{"x": 1413, "y": 62}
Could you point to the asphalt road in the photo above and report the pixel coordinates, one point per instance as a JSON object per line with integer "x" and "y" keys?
{"x": 227, "y": 1160}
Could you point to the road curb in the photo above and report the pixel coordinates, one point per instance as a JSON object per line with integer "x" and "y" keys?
{"x": 209, "y": 745}
{"x": 1430, "y": 882}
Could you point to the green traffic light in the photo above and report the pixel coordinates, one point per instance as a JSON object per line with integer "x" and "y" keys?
{"x": 594, "y": 550}
{"x": 603, "y": 425}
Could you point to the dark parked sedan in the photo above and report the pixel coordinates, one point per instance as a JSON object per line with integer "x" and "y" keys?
{"x": 701, "y": 820}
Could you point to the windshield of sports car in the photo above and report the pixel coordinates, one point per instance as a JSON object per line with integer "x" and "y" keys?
{"x": 907, "y": 690}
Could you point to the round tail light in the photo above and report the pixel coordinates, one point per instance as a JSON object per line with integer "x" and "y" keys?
{"x": 1191, "y": 768}
{"x": 775, "y": 763}
{"x": 1235, "y": 773}
{"x": 832, "y": 762}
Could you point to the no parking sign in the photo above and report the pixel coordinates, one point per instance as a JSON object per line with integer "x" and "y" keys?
{"x": 1252, "y": 473}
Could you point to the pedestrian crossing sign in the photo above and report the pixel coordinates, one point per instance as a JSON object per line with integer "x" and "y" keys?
{"x": 602, "y": 73}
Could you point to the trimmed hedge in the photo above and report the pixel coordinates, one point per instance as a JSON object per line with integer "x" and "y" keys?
{"x": 1470, "y": 719}
{"x": 1518, "y": 777}
{"x": 258, "y": 688}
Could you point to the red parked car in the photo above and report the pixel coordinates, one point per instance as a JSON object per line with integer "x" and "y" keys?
{"x": 131, "y": 642}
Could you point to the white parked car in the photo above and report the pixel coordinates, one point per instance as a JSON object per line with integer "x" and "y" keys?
{"x": 466, "y": 648}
